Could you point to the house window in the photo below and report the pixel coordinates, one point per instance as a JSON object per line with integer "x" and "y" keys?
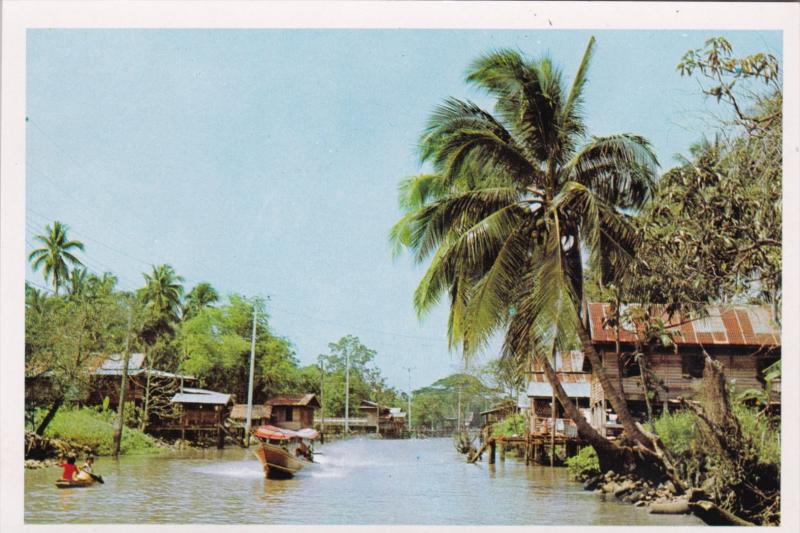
{"x": 289, "y": 413}
{"x": 692, "y": 365}
{"x": 630, "y": 365}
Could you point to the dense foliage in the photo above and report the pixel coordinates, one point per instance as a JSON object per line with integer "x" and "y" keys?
{"x": 68, "y": 335}
{"x": 434, "y": 405}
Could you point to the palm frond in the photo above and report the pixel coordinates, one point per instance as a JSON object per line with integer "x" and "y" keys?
{"x": 460, "y": 132}
{"x": 528, "y": 96}
{"x": 571, "y": 119}
{"x": 455, "y": 213}
{"x": 620, "y": 168}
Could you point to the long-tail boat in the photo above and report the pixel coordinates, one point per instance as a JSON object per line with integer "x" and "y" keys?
{"x": 283, "y": 452}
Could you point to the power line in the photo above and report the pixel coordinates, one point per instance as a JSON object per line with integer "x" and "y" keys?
{"x": 83, "y": 235}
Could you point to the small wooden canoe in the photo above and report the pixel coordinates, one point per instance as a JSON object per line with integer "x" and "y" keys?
{"x": 74, "y": 483}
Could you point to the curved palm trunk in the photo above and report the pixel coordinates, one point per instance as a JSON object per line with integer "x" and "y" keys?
{"x": 614, "y": 396}
{"x": 50, "y": 415}
{"x": 609, "y": 454}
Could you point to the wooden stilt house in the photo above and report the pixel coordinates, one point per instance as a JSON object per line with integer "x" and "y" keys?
{"x": 744, "y": 338}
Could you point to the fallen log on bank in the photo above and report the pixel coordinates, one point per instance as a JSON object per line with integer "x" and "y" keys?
{"x": 681, "y": 506}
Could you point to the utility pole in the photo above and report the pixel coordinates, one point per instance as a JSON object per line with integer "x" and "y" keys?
{"x": 459, "y": 428}
{"x": 321, "y": 397}
{"x": 409, "y": 397}
{"x": 122, "y": 387}
{"x": 347, "y": 393}
{"x": 250, "y": 381}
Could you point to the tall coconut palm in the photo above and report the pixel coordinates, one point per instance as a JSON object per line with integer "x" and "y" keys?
{"x": 55, "y": 254}
{"x": 202, "y": 295}
{"x": 515, "y": 198}
{"x": 161, "y": 296}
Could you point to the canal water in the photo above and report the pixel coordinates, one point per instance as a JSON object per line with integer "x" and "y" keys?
{"x": 357, "y": 481}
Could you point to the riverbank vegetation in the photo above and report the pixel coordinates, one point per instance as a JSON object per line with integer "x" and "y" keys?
{"x": 518, "y": 199}
{"x": 89, "y": 428}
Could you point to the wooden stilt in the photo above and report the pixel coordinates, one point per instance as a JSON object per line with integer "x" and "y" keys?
{"x": 553, "y": 430}
{"x": 502, "y": 452}
{"x": 492, "y": 450}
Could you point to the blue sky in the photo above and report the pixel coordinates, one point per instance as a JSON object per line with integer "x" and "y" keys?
{"x": 266, "y": 162}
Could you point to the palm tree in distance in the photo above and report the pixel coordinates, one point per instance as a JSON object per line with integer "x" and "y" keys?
{"x": 162, "y": 293}
{"x": 202, "y": 295}
{"x": 513, "y": 200}
{"x": 55, "y": 254}
{"x": 78, "y": 280}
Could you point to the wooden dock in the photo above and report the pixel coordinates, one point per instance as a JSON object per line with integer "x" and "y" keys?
{"x": 534, "y": 445}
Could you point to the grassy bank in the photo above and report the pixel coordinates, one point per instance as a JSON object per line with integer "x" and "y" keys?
{"x": 88, "y": 427}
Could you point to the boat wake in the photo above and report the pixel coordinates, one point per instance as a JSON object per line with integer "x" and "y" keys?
{"x": 245, "y": 469}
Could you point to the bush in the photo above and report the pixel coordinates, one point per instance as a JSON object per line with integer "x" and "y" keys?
{"x": 88, "y": 427}
{"x": 763, "y": 431}
{"x": 678, "y": 431}
{"x": 584, "y": 465}
{"x": 511, "y": 425}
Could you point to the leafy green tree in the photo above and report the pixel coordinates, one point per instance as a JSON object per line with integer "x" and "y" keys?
{"x": 514, "y": 199}
{"x": 714, "y": 232}
{"x": 216, "y": 344}
{"x": 58, "y": 250}
{"x": 61, "y": 338}
{"x": 335, "y": 362}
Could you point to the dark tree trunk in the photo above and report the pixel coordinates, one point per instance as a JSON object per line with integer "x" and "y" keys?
{"x": 614, "y": 396}
{"x": 49, "y": 416}
{"x": 610, "y": 455}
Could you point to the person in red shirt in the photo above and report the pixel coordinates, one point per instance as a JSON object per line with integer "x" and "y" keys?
{"x": 69, "y": 469}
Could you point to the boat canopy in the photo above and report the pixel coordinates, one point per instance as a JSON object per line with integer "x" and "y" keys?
{"x": 307, "y": 433}
{"x": 276, "y": 433}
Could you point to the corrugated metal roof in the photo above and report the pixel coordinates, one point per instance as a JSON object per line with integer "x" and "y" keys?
{"x": 201, "y": 396}
{"x": 112, "y": 366}
{"x": 115, "y": 360}
{"x": 735, "y": 325}
{"x": 544, "y": 390}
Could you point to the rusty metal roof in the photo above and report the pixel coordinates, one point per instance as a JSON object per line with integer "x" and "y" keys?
{"x": 735, "y": 325}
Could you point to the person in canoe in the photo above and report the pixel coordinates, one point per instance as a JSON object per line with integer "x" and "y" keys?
{"x": 70, "y": 470}
{"x": 86, "y": 470}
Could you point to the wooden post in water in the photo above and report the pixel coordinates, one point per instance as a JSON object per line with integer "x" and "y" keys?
{"x": 220, "y": 434}
{"x": 502, "y": 451}
{"x": 492, "y": 446}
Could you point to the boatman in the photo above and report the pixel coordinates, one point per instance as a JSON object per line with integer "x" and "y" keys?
{"x": 87, "y": 469}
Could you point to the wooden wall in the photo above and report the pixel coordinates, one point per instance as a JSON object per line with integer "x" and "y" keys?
{"x": 740, "y": 366}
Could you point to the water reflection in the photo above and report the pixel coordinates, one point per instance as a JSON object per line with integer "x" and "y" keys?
{"x": 358, "y": 481}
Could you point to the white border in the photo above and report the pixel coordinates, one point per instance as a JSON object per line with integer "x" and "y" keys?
{"x": 18, "y": 16}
